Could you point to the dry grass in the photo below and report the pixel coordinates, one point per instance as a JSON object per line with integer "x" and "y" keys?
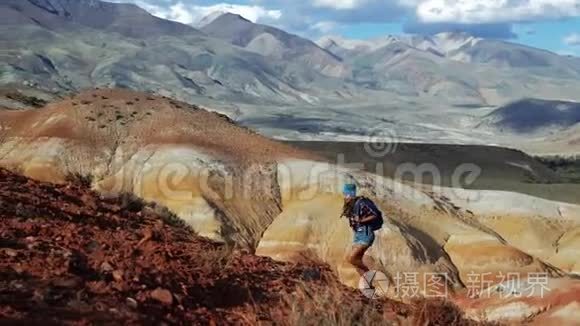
{"x": 132, "y": 203}
{"x": 215, "y": 261}
{"x": 440, "y": 313}
{"x": 169, "y": 217}
{"x": 79, "y": 179}
{"x": 329, "y": 306}
{"x": 30, "y": 101}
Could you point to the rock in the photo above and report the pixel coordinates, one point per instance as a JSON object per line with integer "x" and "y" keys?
{"x": 106, "y": 267}
{"x": 120, "y": 286}
{"x": 132, "y": 303}
{"x": 92, "y": 246}
{"x": 118, "y": 275}
{"x": 162, "y": 295}
{"x": 10, "y": 252}
{"x": 66, "y": 283}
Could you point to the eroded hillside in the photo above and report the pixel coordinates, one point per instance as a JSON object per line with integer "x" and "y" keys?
{"x": 157, "y": 148}
{"x": 67, "y": 255}
{"x": 237, "y": 187}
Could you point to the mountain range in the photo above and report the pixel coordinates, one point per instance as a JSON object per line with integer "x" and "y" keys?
{"x": 457, "y": 46}
{"x": 260, "y": 74}
{"x": 62, "y": 45}
{"x": 58, "y": 15}
{"x": 275, "y": 44}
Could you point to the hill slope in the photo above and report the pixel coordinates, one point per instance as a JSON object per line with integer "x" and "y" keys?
{"x": 239, "y": 188}
{"x": 125, "y": 19}
{"x": 274, "y": 43}
{"x": 69, "y": 256}
{"x": 461, "y": 47}
{"x": 64, "y": 46}
{"x": 180, "y": 155}
{"x": 501, "y": 169}
{"x": 456, "y": 67}
{"x": 421, "y": 87}
{"x": 535, "y": 115}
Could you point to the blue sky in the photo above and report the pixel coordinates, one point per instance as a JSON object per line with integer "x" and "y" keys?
{"x": 550, "y": 24}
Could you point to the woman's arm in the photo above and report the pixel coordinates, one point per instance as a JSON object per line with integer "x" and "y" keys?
{"x": 368, "y": 219}
{"x": 367, "y": 211}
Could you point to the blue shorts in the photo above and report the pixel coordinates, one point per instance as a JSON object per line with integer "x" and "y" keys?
{"x": 364, "y": 236}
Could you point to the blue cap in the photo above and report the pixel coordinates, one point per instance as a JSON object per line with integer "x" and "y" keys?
{"x": 349, "y": 190}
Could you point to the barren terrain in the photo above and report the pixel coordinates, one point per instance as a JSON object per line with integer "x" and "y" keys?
{"x": 68, "y": 255}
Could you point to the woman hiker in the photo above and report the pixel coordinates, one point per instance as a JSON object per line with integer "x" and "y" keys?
{"x": 364, "y": 218}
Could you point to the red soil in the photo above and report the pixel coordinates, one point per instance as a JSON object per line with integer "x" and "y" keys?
{"x": 104, "y": 117}
{"x": 68, "y": 255}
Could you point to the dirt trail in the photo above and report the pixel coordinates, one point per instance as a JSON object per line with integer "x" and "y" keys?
{"x": 68, "y": 255}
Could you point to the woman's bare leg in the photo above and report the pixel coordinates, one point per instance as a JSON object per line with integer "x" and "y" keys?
{"x": 356, "y": 258}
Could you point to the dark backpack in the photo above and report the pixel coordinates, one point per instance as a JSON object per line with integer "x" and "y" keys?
{"x": 365, "y": 207}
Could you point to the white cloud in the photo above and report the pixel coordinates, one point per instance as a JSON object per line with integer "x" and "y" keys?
{"x": 189, "y": 13}
{"x": 180, "y": 13}
{"x": 493, "y": 11}
{"x": 572, "y": 39}
{"x": 325, "y": 27}
{"x": 251, "y": 13}
{"x": 323, "y": 16}
{"x": 338, "y": 4}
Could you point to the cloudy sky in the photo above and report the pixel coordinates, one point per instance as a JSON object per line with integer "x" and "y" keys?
{"x": 549, "y": 24}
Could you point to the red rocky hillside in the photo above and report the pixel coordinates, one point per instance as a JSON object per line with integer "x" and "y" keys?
{"x": 67, "y": 255}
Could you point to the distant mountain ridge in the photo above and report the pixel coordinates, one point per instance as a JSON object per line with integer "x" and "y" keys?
{"x": 442, "y": 44}
{"x": 126, "y": 19}
{"x": 273, "y": 42}
{"x": 451, "y": 80}
{"x": 66, "y": 45}
{"x": 209, "y": 18}
{"x": 455, "y": 46}
{"x": 457, "y": 67}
